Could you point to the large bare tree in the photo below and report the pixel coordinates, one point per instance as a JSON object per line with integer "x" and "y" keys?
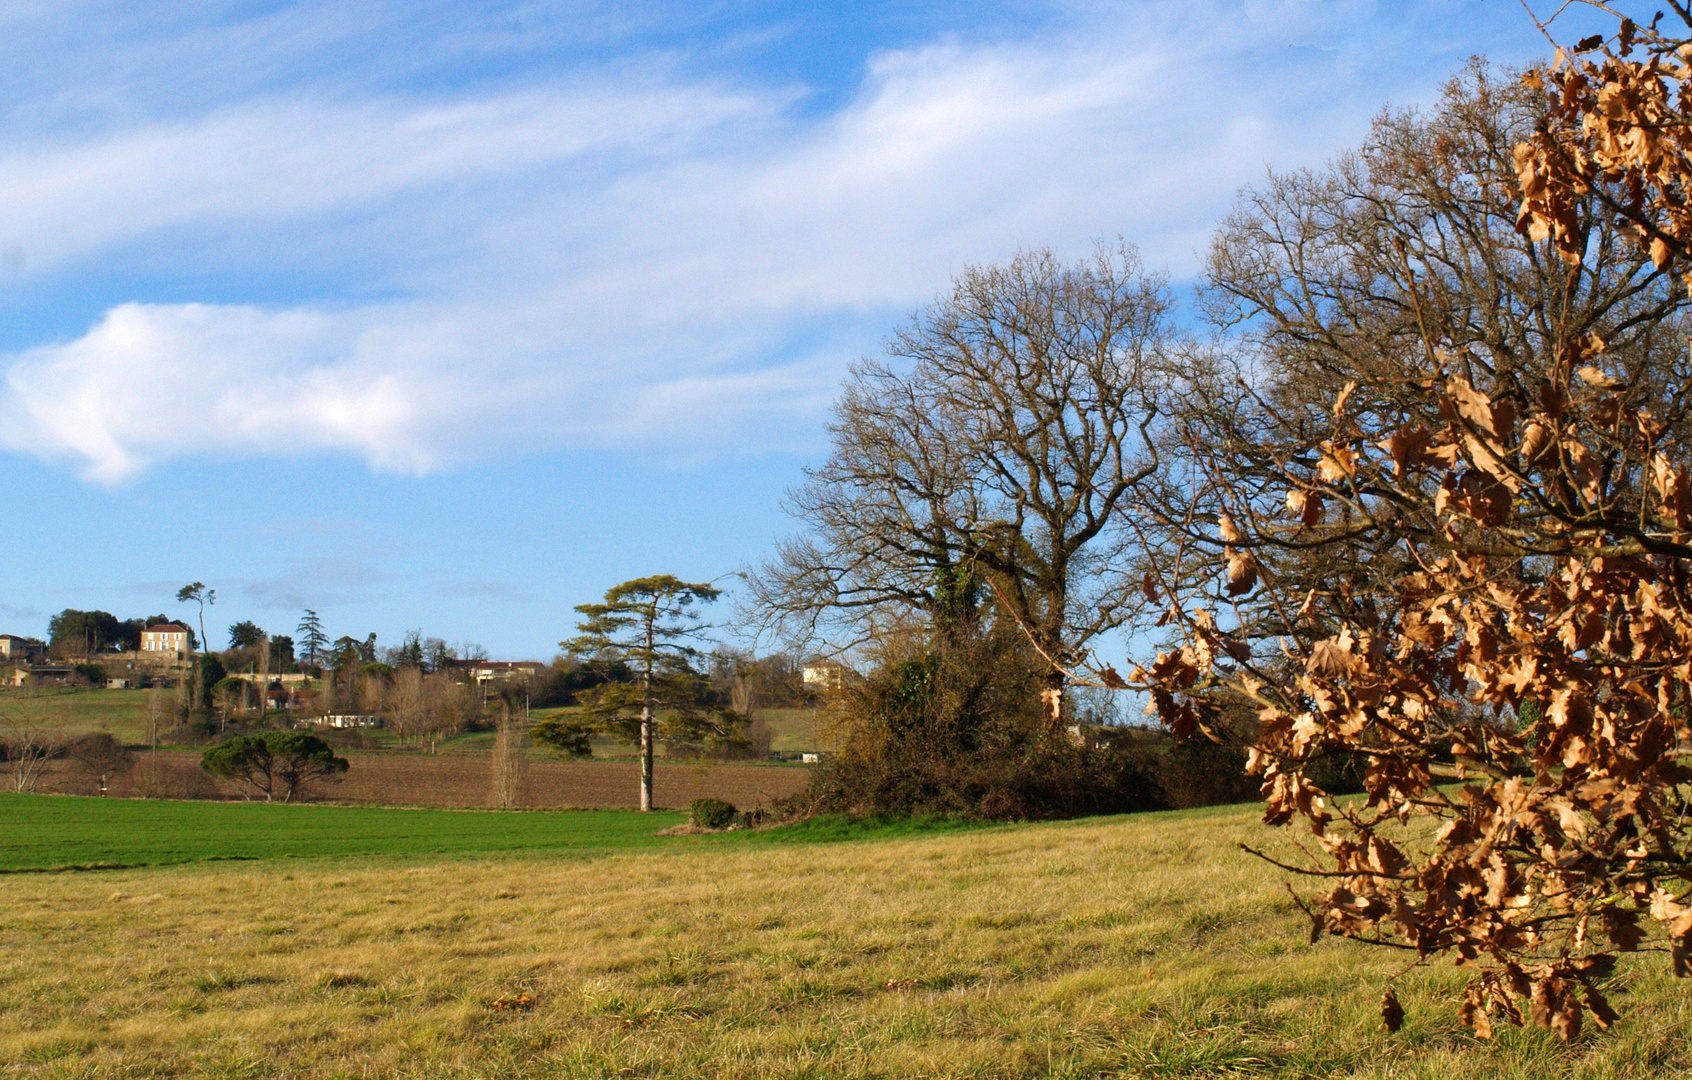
{"x": 987, "y": 456}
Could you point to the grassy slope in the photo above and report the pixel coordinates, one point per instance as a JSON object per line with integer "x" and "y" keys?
{"x": 120, "y": 713}
{"x": 795, "y": 730}
{"x": 1144, "y": 946}
{"x": 123, "y": 714}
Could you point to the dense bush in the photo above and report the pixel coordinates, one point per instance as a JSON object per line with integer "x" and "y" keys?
{"x": 711, "y": 813}
{"x": 208, "y": 671}
{"x": 559, "y": 682}
{"x": 957, "y": 730}
{"x": 958, "y": 733}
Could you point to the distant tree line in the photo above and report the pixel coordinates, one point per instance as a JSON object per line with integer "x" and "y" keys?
{"x": 73, "y": 634}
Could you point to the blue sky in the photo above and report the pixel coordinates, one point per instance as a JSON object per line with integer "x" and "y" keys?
{"x": 450, "y": 315}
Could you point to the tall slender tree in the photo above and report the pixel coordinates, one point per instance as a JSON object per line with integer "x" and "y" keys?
{"x": 198, "y": 593}
{"x": 648, "y": 624}
{"x": 312, "y": 638}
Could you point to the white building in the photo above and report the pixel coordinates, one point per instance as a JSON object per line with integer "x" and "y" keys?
{"x": 824, "y": 676}
{"x": 165, "y": 638}
{"x": 13, "y": 647}
{"x": 483, "y": 672}
{"x": 351, "y": 720}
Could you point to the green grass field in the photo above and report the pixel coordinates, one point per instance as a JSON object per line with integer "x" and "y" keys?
{"x": 45, "y": 832}
{"x": 48, "y": 832}
{"x": 1147, "y": 946}
{"x": 120, "y": 713}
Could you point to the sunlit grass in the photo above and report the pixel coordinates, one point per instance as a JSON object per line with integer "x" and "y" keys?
{"x": 80, "y": 710}
{"x": 1144, "y": 946}
{"x": 47, "y": 832}
{"x": 123, "y": 714}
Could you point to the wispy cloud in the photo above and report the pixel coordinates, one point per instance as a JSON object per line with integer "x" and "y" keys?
{"x": 665, "y": 262}
{"x": 29, "y": 616}
{"x": 502, "y": 591}
{"x": 321, "y": 582}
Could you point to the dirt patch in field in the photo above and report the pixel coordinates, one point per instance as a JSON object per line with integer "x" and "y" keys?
{"x": 453, "y": 780}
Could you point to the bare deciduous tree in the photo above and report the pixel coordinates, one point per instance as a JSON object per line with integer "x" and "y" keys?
{"x": 156, "y": 708}
{"x": 510, "y": 733}
{"x": 421, "y": 709}
{"x": 373, "y": 692}
{"x": 33, "y": 737}
{"x": 406, "y": 707}
{"x": 1336, "y": 276}
{"x": 991, "y": 453}
{"x": 101, "y": 758}
{"x": 451, "y": 705}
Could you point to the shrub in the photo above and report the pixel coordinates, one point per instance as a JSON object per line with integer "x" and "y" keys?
{"x": 711, "y": 813}
{"x": 955, "y": 729}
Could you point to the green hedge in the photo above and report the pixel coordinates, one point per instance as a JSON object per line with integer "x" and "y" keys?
{"x": 711, "y": 813}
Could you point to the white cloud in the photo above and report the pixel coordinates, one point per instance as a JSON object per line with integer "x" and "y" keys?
{"x": 407, "y": 388}
{"x": 153, "y": 382}
{"x": 297, "y": 161}
{"x": 657, "y": 263}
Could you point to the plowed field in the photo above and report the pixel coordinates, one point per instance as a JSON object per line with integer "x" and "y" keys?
{"x": 452, "y": 780}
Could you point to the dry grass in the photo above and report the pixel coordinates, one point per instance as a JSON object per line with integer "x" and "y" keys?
{"x": 1126, "y": 947}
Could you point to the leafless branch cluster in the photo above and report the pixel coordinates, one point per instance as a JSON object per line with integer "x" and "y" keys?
{"x": 993, "y": 449}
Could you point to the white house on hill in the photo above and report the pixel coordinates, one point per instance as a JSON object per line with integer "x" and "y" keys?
{"x": 165, "y": 638}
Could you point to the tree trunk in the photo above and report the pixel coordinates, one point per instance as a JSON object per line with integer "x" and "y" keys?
{"x": 646, "y": 758}
{"x": 646, "y": 725}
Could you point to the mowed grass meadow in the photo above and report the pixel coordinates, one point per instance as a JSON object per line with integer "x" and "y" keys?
{"x": 47, "y": 833}
{"x": 1147, "y": 946}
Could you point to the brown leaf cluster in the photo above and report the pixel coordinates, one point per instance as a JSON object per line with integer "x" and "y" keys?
{"x": 1617, "y": 120}
{"x": 1519, "y": 710}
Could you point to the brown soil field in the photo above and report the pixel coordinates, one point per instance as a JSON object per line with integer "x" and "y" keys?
{"x": 454, "y": 780}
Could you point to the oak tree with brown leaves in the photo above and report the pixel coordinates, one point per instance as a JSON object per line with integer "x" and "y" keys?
{"x": 1617, "y": 129}
{"x": 1508, "y": 661}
